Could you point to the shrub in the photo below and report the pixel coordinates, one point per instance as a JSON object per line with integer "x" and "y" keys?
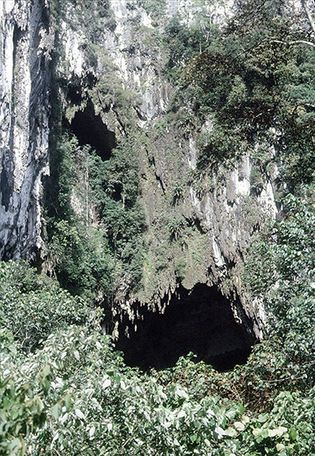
{"x": 284, "y": 280}
{"x": 33, "y": 306}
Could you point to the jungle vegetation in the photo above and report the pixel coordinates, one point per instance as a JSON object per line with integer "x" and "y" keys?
{"x": 64, "y": 390}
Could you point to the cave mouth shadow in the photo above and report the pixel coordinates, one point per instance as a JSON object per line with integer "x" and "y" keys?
{"x": 90, "y": 129}
{"x": 200, "y": 321}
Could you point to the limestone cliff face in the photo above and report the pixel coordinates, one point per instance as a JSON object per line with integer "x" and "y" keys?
{"x": 219, "y": 212}
{"x": 25, "y": 45}
{"x": 120, "y": 49}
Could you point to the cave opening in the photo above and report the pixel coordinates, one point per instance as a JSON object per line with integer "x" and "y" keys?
{"x": 200, "y": 321}
{"x": 90, "y": 129}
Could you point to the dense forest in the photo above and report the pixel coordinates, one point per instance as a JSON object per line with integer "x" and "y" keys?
{"x": 65, "y": 389}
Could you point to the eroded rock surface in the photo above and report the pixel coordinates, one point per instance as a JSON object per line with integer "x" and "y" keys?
{"x": 26, "y": 42}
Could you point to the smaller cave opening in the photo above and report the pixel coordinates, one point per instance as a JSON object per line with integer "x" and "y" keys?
{"x": 200, "y": 321}
{"x": 90, "y": 130}
{"x": 74, "y": 94}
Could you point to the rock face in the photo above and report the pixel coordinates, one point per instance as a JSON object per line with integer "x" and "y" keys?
{"x": 120, "y": 49}
{"x": 25, "y": 73}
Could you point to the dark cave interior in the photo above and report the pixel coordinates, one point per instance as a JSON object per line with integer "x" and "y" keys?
{"x": 199, "y": 321}
{"x": 90, "y": 129}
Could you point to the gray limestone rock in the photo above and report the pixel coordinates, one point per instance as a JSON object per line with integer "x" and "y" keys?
{"x": 26, "y": 42}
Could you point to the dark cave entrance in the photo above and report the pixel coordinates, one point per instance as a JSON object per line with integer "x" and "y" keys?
{"x": 199, "y": 321}
{"x": 91, "y": 130}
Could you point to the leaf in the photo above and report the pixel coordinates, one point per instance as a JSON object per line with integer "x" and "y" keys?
{"x": 92, "y": 431}
{"x": 55, "y": 411}
{"x": 262, "y": 433}
{"x": 79, "y": 414}
{"x": 17, "y": 446}
{"x": 220, "y": 432}
{"x": 110, "y": 427}
{"x": 293, "y": 434}
{"x": 239, "y": 426}
{"x": 106, "y": 384}
{"x": 262, "y": 418}
{"x": 277, "y": 432}
{"x": 76, "y": 355}
{"x": 230, "y": 432}
{"x": 123, "y": 385}
{"x": 180, "y": 392}
{"x": 193, "y": 438}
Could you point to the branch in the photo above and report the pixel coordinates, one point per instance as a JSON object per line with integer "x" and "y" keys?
{"x": 308, "y": 14}
{"x": 292, "y": 43}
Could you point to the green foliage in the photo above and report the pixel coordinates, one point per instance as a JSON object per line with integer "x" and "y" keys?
{"x": 32, "y": 306}
{"x": 78, "y": 252}
{"x": 62, "y": 179}
{"x": 78, "y": 13}
{"x": 109, "y": 91}
{"x": 177, "y": 193}
{"x": 182, "y": 43}
{"x": 219, "y": 145}
{"x": 81, "y": 259}
{"x": 155, "y": 8}
{"x": 284, "y": 280}
{"x": 75, "y": 395}
{"x": 20, "y": 414}
{"x": 256, "y": 180}
{"x": 176, "y": 227}
{"x": 116, "y": 194}
{"x": 286, "y": 430}
{"x": 254, "y": 82}
{"x": 88, "y": 259}
{"x": 254, "y": 76}
{"x": 283, "y": 426}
